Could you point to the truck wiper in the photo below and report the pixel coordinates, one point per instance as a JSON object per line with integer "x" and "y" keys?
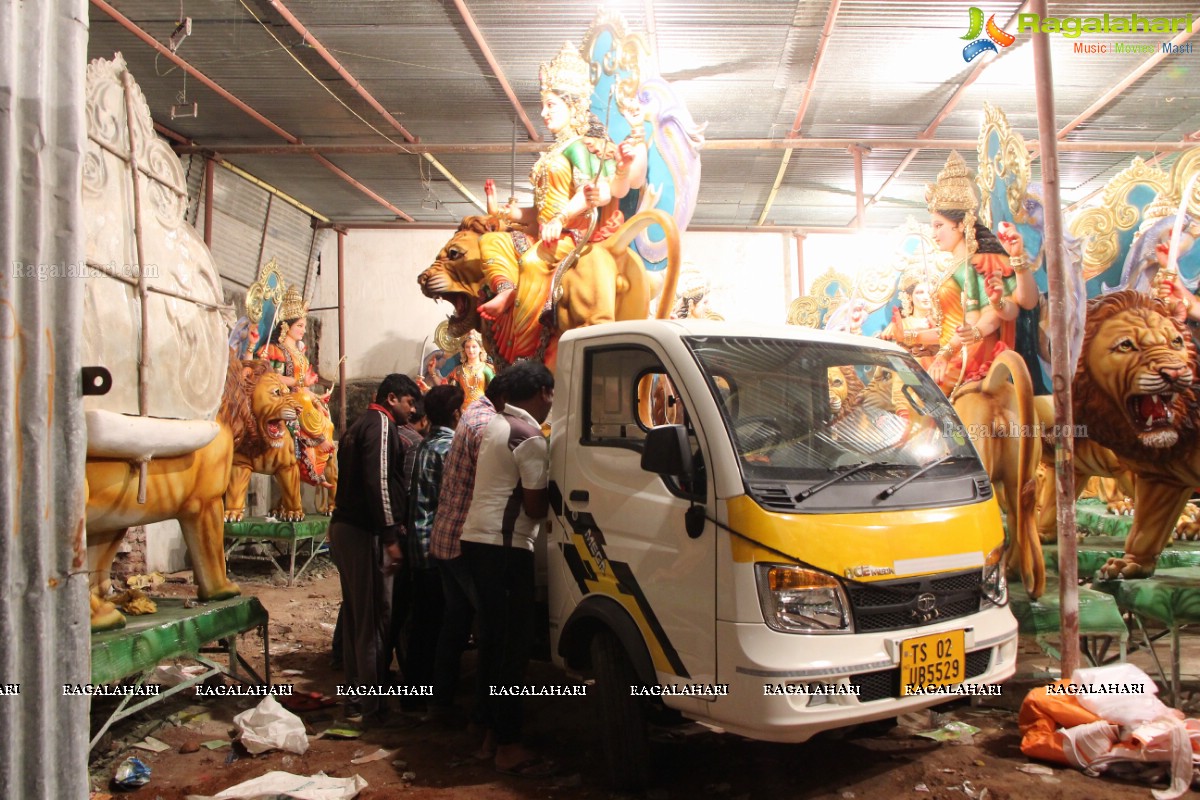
{"x": 844, "y": 473}
{"x": 895, "y": 487}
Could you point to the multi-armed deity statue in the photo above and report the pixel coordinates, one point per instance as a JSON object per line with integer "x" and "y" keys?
{"x": 585, "y": 251}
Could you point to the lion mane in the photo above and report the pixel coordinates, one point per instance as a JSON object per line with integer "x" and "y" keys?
{"x": 608, "y": 281}
{"x": 1133, "y": 392}
{"x": 237, "y": 410}
{"x": 1107, "y": 419}
{"x": 255, "y": 452}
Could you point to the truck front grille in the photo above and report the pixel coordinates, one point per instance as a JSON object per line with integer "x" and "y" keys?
{"x": 891, "y": 605}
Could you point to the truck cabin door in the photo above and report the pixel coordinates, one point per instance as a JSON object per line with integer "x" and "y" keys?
{"x": 627, "y": 524}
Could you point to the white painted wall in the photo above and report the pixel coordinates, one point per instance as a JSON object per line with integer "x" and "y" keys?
{"x": 387, "y": 317}
{"x": 388, "y": 320}
{"x": 165, "y": 550}
{"x": 752, "y": 275}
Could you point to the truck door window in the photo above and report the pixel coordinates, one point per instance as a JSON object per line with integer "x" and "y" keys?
{"x": 630, "y": 393}
{"x": 621, "y": 405}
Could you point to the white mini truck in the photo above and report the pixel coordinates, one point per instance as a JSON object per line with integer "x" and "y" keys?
{"x": 772, "y": 531}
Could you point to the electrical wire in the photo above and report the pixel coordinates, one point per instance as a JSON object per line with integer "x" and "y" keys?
{"x": 321, "y": 83}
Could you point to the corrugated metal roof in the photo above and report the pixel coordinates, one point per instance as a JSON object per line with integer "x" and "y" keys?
{"x": 889, "y": 68}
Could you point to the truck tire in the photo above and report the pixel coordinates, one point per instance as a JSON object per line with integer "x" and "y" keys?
{"x": 623, "y": 740}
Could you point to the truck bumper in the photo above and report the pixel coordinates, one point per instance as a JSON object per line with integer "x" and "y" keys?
{"x": 850, "y": 679}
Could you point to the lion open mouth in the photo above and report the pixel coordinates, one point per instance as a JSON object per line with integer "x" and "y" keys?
{"x": 274, "y": 429}
{"x": 1151, "y": 411}
{"x": 274, "y": 432}
{"x": 461, "y": 302}
{"x": 1152, "y": 417}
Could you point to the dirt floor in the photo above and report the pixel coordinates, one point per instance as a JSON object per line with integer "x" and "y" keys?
{"x": 434, "y": 760}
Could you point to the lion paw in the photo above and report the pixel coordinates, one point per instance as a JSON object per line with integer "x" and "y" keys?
{"x": 1125, "y": 567}
{"x": 234, "y": 515}
{"x": 224, "y": 591}
{"x": 105, "y": 615}
{"x": 1122, "y": 507}
{"x": 284, "y": 515}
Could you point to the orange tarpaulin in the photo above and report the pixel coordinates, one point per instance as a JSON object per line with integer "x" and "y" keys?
{"x": 1042, "y": 714}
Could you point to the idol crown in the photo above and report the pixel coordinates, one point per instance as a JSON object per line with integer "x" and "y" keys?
{"x": 568, "y": 73}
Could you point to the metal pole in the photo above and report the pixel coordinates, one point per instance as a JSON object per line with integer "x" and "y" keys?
{"x": 1064, "y": 450}
{"x": 243, "y": 148}
{"x": 208, "y": 201}
{"x": 143, "y": 293}
{"x": 341, "y": 309}
{"x": 262, "y": 242}
{"x": 860, "y": 205}
{"x": 799, "y": 237}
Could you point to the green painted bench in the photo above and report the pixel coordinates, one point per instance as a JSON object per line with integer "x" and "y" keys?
{"x": 286, "y": 538}
{"x": 176, "y": 631}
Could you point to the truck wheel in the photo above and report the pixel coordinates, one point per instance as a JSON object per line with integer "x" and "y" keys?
{"x": 622, "y": 724}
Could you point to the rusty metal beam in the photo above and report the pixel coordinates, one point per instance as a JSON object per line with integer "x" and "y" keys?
{"x": 860, "y": 206}
{"x": 1064, "y": 444}
{"x": 224, "y": 94}
{"x": 1123, "y": 84}
{"x": 341, "y": 319}
{"x": 497, "y": 71}
{"x": 342, "y": 72}
{"x": 174, "y": 136}
{"x": 794, "y": 133}
{"x": 208, "y": 201}
{"x": 945, "y": 111}
{"x": 505, "y": 148}
{"x": 362, "y": 92}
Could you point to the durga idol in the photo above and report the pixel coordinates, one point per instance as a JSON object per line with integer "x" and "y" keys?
{"x": 581, "y": 171}
{"x": 313, "y": 431}
{"x": 990, "y": 283}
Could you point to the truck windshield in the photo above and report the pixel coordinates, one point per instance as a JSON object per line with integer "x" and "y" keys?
{"x": 801, "y": 412}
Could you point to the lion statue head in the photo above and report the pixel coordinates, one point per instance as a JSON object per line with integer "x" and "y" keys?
{"x": 1133, "y": 386}
{"x": 267, "y": 407}
{"x": 456, "y": 275}
{"x": 844, "y": 388}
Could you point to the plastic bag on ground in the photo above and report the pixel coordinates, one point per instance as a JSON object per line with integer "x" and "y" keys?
{"x": 285, "y": 784}
{"x": 1126, "y": 705}
{"x": 270, "y": 726}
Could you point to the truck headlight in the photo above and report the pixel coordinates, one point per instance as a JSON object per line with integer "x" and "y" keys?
{"x": 800, "y": 600}
{"x": 994, "y": 585}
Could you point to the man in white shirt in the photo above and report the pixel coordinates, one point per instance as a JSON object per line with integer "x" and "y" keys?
{"x": 509, "y": 502}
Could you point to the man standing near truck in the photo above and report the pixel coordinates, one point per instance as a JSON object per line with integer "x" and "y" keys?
{"x": 364, "y": 533}
{"x": 454, "y": 500}
{"x": 509, "y": 502}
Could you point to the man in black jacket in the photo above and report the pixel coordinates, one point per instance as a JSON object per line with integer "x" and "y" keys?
{"x": 364, "y": 533}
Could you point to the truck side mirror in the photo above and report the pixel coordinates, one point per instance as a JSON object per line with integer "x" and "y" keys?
{"x": 667, "y": 451}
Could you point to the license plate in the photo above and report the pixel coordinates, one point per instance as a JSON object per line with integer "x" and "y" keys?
{"x": 938, "y": 659}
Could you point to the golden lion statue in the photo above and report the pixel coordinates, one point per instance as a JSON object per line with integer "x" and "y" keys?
{"x": 1114, "y": 480}
{"x": 1133, "y": 391}
{"x": 999, "y": 417}
{"x": 608, "y": 283}
{"x": 268, "y": 447}
{"x": 188, "y": 487}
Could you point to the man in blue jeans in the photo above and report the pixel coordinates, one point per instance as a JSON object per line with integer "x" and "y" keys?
{"x": 508, "y": 504}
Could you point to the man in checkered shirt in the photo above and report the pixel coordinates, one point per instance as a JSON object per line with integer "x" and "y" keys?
{"x": 454, "y": 499}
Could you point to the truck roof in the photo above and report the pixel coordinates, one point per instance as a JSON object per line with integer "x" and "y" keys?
{"x": 678, "y": 328}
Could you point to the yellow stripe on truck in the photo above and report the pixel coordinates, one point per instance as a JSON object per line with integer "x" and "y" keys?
{"x": 915, "y": 541}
